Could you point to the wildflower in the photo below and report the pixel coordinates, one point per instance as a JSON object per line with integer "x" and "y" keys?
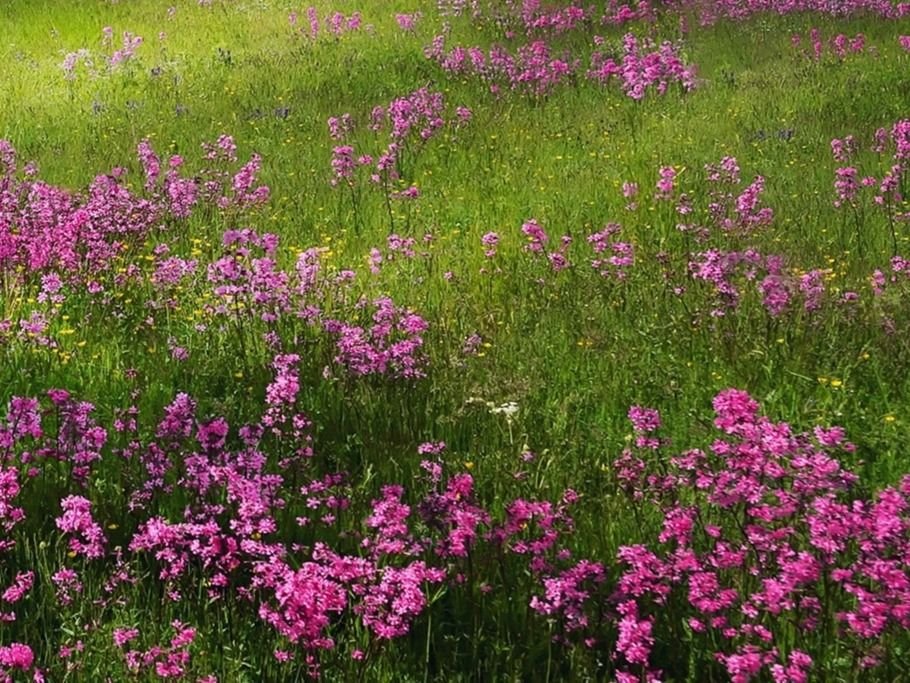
{"x": 510, "y": 410}
{"x": 122, "y": 636}
{"x": 490, "y": 240}
{"x": 87, "y": 537}
{"x": 537, "y": 238}
{"x": 16, "y": 656}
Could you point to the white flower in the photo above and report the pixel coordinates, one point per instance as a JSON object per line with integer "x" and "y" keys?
{"x": 509, "y": 409}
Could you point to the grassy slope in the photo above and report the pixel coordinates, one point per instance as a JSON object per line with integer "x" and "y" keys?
{"x": 573, "y": 357}
{"x": 560, "y": 160}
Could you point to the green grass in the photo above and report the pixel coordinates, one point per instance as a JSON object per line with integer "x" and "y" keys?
{"x": 574, "y": 354}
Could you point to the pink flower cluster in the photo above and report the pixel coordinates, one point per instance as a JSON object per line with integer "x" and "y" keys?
{"x": 642, "y": 66}
{"x": 167, "y": 662}
{"x": 613, "y": 258}
{"x": 334, "y": 25}
{"x": 839, "y": 46}
{"x": 408, "y": 22}
{"x": 45, "y": 228}
{"x": 887, "y": 183}
{"x": 761, "y": 534}
{"x": 778, "y": 288}
{"x": 536, "y": 68}
{"x": 390, "y": 345}
{"x": 408, "y": 123}
{"x": 104, "y": 64}
{"x": 532, "y": 69}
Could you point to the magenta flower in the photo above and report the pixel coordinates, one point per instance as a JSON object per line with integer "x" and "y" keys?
{"x": 537, "y": 238}
{"x": 122, "y": 636}
{"x": 86, "y": 537}
{"x": 16, "y": 656}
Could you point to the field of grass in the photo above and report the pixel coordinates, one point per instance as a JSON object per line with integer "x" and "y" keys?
{"x": 271, "y": 419}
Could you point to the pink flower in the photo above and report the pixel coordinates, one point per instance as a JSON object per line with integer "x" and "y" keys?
{"x": 122, "y": 636}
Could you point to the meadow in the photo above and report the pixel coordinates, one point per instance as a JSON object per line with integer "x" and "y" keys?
{"x": 469, "y": 340}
